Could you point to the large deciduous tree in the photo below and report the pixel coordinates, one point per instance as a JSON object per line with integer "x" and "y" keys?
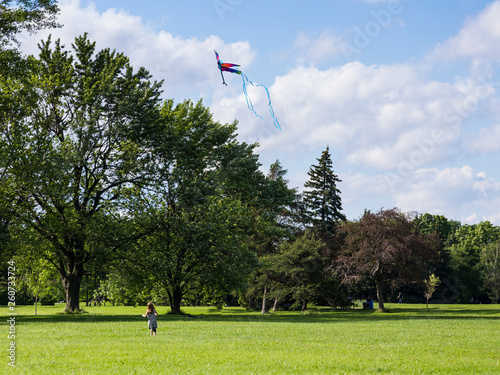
{"x": 73, "y": 138}
{"x": 209, "y": 199}
{"x": 387, "y": 248}
{"x": 490, "y": 268}
{"x": 16, "y": 16}
{"x": 465, "y": 254}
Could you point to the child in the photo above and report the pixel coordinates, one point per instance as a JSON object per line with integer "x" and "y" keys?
{"x": 151, "y": 314}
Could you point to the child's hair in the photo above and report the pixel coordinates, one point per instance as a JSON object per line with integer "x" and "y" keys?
{"x": 151, "y": 308}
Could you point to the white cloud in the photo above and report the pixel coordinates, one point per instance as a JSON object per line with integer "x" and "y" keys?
{"x": 494, "y": 217}
{"x": 488, "y": 187}
{"x": 373, "y": 119}
{"x": 315, "y": 50}
{"x": 486, "y": 141}
{"x": 477, "y": 39}
{"x": 186, "y": 65}
{"x": 355, "y": 184}
{"x": 470, "y": 219}
{"x": 458, "y": 193}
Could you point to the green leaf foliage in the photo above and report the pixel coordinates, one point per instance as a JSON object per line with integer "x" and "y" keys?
{"x": 490, "y": 270}
{"x": 465, "y": 254}
{"x": 206, "y": 203}
{"x": 29, "y": 15}
{"x": 300, "y": 271}
{"x": 74, "y": 140}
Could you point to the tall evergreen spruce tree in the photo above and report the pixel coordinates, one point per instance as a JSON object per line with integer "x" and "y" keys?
{"x": 323, "y": 205}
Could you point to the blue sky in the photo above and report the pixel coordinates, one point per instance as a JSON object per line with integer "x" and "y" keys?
{"x": 404, "y": 92}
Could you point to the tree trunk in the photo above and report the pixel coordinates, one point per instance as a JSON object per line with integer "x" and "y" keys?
{"x": 275, "y": 306}
{"x": 250, "y": 303}
{"x": 304, "y": 305}
{"x": 87, "y": 293}
{"x": 264, "y": 307}
{"x": 73, "y": 276}
{"x": 176, "y": 300}
{"x": 380, "y": 293}
{"x": 71, "y": 283}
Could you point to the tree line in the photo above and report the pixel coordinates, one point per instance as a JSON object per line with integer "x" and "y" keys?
{"x": 106, "y": 189}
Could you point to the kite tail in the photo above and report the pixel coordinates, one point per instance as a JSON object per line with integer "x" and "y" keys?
{"x": 223, "y": 80}
{"x": 249, "y": 102}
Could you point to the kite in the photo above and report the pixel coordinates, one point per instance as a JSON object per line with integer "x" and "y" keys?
{"x": 234, "y": 68}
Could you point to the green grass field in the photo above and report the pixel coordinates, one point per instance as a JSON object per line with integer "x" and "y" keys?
{"x": 409, "y": 339}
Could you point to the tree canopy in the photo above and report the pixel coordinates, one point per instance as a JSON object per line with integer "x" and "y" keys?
{"x": 465, "y": 255}
{"x": 385, "y": 247}
{"x": 203, "y": 202}
{"x": 490, "y": 269}
{"x": 72, "y": 140}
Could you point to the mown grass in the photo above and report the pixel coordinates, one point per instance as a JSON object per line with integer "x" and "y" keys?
{"x": 408, "y": 339}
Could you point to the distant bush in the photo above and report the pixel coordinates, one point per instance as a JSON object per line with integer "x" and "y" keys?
{"x": 48, "y": 300}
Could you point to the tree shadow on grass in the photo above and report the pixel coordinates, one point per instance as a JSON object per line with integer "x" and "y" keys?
{"x": 317, "y": 315}
{"x": 359, "y": 316}
{"x": 78, "y": 318}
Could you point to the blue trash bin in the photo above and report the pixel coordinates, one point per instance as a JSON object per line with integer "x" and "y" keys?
{"x": 370, "y": 305}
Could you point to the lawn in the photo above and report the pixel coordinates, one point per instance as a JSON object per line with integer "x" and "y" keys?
{"x": 409, "y": 339}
